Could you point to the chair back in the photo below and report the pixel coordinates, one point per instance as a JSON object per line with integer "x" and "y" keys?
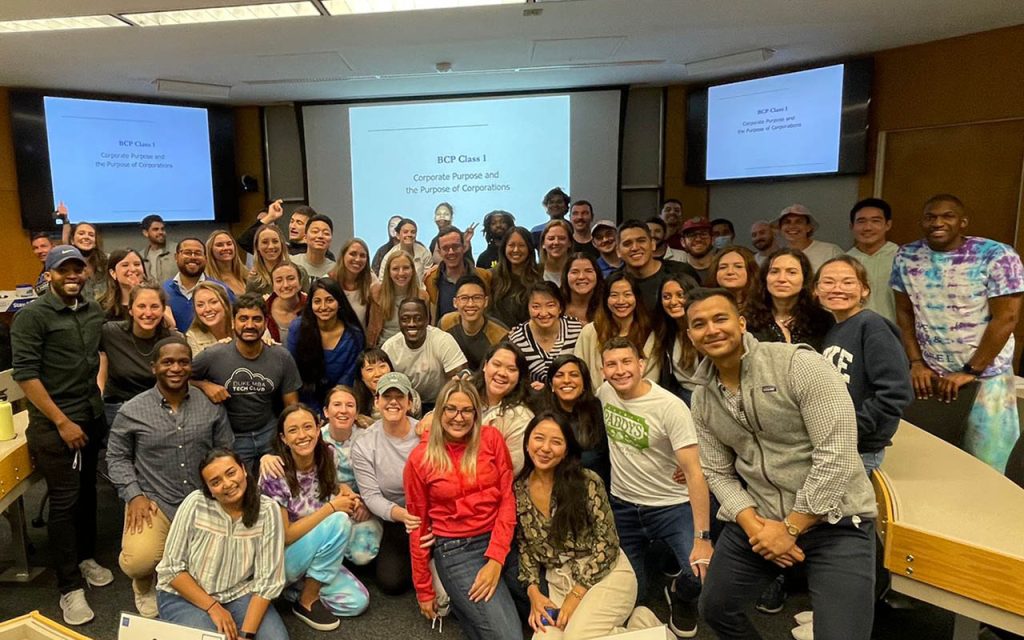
{"x": 946, "y": 420}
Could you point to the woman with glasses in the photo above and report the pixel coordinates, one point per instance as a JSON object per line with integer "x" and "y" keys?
{"x": 459, "y": 483}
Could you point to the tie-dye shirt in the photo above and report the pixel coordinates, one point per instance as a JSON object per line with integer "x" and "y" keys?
{"x": 342, "y": 451}
{"x": 298, "y": 506}
{"x": 950, "y": 292}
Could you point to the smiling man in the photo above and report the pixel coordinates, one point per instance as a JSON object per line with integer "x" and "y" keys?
{"x": 650, "y": 434}
{"x": 427, "y": 355}
{"x": 252, "y": 379}
{"x": 441, "y": 283}
{"x": 191, "y": 259}
{"x": 636, "y": 248}
{"x": 156, "y": 443}
{"x": 778, "y": 444}
{"x": 319, "y": 233}
{"x": 958, "y": 299}
{"x": 473, "y": 330}
{"x": 581, "y": 217}
{"x": 870, "y": 221}
{"x": 797, "y": 224}
{"x": 55, "y": 342}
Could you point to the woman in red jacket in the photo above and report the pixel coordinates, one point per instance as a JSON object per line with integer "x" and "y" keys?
{"x": 459, "y": 482}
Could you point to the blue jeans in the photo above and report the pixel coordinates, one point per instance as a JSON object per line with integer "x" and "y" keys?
{"x": 639, "y": 526}
{"x": 458, "y": 560}
{"x": 319, "y": 555}
{"x": 174, "y": 608}
{"x": 251, "y": 445}
{"x": 840, "y": 565}
{"x": 872, "y": 460}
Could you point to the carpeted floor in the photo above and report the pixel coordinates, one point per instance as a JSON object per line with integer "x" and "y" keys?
{"x": 387, "y": 618}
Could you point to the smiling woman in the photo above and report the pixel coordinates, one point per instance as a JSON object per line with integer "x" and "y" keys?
{"x": 126, "y": 347}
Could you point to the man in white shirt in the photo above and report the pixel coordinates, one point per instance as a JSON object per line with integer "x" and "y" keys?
{"x": 650, "y": 435}
{"x": 428, "y": 356}
{"x": 870, "y": 221}
{"x": 797, "y": 225}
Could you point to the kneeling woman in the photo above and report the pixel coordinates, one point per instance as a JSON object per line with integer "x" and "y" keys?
{"x": 459, "y": 482}
{"x": 224, "y": 557}
{"x": 317, "y": 527}
{"x": 566, "y": 528}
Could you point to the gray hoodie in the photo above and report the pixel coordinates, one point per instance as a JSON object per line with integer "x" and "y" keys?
{"x": 786, "y": 442}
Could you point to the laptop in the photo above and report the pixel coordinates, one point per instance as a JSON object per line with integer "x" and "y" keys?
{"x": 135, "y": 627}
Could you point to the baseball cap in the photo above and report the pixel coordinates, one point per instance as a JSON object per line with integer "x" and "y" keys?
{"x": 61, "y": 254}
{"x": 696, "y": 224}
{"x": 797, "y": 210}
{"x": 603, "y": 223}
{"x": 394, "y": 380}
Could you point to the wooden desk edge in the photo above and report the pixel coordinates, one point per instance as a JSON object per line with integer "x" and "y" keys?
{"x": 957, "y": 566}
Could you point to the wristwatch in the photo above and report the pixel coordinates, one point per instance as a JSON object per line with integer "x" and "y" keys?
{"x": 968, "y": 369}
{"x": 702, "y": 535}
{"x": 791, "y": 528}
{"x": 248, "y": 635}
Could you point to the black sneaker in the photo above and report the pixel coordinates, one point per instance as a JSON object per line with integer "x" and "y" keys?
{"x": 682, "y": 614}
{"x": 773, "y": 598}
{"x": 317, "y": 616}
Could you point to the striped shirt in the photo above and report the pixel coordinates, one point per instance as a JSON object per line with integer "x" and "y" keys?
{"x": 537, "y": 359}
{"x": 226, "y": 558}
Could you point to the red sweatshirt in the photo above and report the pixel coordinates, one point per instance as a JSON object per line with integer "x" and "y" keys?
{"x": 457, "y": 507}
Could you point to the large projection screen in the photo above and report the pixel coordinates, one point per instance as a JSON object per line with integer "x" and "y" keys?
{"x": 368, "y": 161}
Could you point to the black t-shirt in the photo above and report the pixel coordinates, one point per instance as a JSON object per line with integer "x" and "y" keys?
{"x": 649, "y": 287}
{"x": 585, "y": 247}
{"x": 473, "y": 347}
{"x": 489, "y": 258}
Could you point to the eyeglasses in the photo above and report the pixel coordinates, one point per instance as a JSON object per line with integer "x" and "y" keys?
{"x": 477, "y": 299}
{"x": 838, "y": 284}
{"x": 192, "y": 253}
{"x": 466, "y": 413}
{"x": 451, "y": 248}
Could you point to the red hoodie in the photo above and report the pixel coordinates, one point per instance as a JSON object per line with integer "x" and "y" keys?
{"x": 457, "y": 507}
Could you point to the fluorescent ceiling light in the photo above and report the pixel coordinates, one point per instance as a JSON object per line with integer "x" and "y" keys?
{"x": 345, "y": 7}
{"x": 192, "y": 88}
{"x": 224, "y": 14}
{"x": 60, "y": 24}
{"x": 741, "y": 59}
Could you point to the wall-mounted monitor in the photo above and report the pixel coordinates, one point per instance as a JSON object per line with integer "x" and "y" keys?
{"x": 117, "y": 161}
{"x": 803, "y": 123}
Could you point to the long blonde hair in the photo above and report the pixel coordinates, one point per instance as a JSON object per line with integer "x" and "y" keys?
{"x": 388, "y": 295}
{"x": 236, "y": 268}
{"x": 260, "y": 266}
{"x": 222, "y": 295}
{"x": 437, "y": 458}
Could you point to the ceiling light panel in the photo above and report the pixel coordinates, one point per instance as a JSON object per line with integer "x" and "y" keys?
{"x": 346, "y": 7}
{"x": 224, "y": 14}
{"x": 60, "y": 24}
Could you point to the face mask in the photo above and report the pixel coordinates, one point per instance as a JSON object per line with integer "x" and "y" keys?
{"x": 721, "y": 242}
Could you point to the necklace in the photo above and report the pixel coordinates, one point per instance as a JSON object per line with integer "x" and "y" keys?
{"x": 135, "y": 343}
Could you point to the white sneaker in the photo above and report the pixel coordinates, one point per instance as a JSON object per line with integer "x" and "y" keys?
{"x": 145, "y": 603}
{"x": 804, "y": 617}
{"x": 94, "y": 574}
{"x": 75, "y": 608}
{"x": 803, "y": 632}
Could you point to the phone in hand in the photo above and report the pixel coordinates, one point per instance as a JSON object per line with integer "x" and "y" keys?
{"x": 552, "y": 614}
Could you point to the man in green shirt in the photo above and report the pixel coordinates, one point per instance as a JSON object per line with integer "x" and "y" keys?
{"x": 870, "y": 221}
{"x": 55, "y": 343}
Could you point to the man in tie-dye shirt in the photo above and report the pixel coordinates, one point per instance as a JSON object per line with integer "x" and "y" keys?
{"x": 957, "y": 302}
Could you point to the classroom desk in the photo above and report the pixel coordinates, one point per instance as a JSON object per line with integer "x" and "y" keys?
{"x": 953, "y": 532}
{"x": 17, "y": 475}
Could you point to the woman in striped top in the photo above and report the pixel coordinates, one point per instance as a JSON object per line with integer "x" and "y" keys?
{"x": 224, "y": 557}
{"x": 548, "y": 333}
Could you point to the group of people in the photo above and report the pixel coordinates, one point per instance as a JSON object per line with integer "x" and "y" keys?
{"x": 512, "y": 438}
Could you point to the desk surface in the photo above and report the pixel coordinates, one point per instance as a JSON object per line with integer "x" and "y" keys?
{"x": 938, "y": 487}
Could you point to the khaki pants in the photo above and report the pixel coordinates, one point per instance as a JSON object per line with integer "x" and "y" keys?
{"x": 141, "y": 552}
{"x": 603, "y": 610}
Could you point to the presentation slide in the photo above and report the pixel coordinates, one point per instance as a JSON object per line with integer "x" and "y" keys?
{"x": 782, "y": 125}
{"x": 477, "y": 155}
{"x": 118, "y": 161}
